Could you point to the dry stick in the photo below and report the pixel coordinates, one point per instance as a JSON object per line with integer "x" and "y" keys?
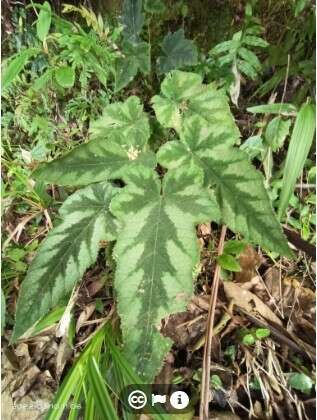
{"x": 204, "y": 400}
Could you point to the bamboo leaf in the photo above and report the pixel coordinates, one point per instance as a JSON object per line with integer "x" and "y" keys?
{"x": 99, "y": 391}
{"x": 282, "y": 109}
{"x": 16, "y": 65}
{"x": 299, "y": 146}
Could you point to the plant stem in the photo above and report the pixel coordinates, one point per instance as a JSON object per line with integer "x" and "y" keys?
{"x": 205, "y": 383}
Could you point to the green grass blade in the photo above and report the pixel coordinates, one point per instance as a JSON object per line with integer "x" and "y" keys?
{"x": 300, "y": 144}
{"x": 99, "y": 391}
{"x": 283, "y": 109}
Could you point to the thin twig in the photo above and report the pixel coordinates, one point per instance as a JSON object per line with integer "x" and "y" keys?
{"x": 204, "y": 401}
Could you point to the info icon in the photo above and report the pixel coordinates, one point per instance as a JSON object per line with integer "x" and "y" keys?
{"x": 179, "y": 400}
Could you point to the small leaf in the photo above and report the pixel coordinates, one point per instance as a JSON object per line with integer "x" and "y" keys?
{"x": 276, "y": 132}
{"x": 248, "y": 340}
{"x": 216, "y": 382}
{"x": 255, "y": 41}
{"x": 136, "y": 58}
{"x": 234, "y": 247}
{"x": 44, "y": 21}
{"x": 301, "y": 382}
{"x": 154, "y": 6}
{"x": 156, "y": 251}
{"x": 178, "y": 52}
{"x": 68, "y": 250}
{"x": 282, "y": 109}
{"x": 65, "y": 76}
{"x": 262, "y": 333}
{"x": 253, "y": 146}
{"x": 132, "y": 19}
{"x": 16, "y": 65}
{"x": 228, "y": 262}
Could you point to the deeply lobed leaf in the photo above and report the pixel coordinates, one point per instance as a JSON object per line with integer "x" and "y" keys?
{"x": 244, "y": 202}
{"x": 69, "y": 249}
{"x": 156, "y": 254}
{"x": 178, "y": 52}
{"x": 184, "y": 95}
{"x": 120, "y": 138}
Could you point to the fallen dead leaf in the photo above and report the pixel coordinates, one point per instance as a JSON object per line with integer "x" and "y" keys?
{"x": 249, "y": 261}
{"x": 85, "y": 315}
{"x": 249, "y": 302}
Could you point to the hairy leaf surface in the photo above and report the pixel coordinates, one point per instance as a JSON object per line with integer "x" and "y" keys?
{"x": 244, "y": 202}
{"x": 184, "y": 95}
{"x": 69, "y": 249}
{"x": 120, "y": 138}
{"x": 178, "y": 52}
{"x": 156, "y": 254}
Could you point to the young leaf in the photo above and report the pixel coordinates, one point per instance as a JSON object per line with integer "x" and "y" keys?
{"x": 244, "y": 202}
{"x": 44, "y": 21}
{"x": 276, "y": 132}
{"x": 184, "y": 95}
{"x": 69, "y": 249}
{"x": 16, "y": 65}
{"x": 156, "y": 253}
{"x": 300, "y": 144}
{"x": 301, "y": 382}
{"x": 65, "y": 76}
{"x": 262, "y": 333}
{"x": 154, "y": 6}
{"x": 132, "y": 19}
{"x": 178, "y": 52}
{"x": 136, "y": 58}
{"x": 228, "y": 262}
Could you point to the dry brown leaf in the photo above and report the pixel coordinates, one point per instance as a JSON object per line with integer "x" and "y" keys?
{"x": 63, "y": 355}
{"x": 249, "y": 302}
{"x": 85, "y": 315}
{"x": 249, "y": 261}
{"x": 28, "y": 380}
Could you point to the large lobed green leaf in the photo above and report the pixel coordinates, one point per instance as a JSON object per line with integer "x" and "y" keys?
{"x": 69, "y": 249}
{"x": 244, "y": 203}
{"x": 156, "y": 253}
{"x": 119, "y": 141}
{"x": 184, "y": 95}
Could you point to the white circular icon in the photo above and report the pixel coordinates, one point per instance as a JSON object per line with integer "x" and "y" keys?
{"x": 179, "y": 400}
{"x": 137, "y": 399}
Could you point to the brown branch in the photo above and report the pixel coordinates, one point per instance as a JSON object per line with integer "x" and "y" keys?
{"x": 205, "y": 382}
